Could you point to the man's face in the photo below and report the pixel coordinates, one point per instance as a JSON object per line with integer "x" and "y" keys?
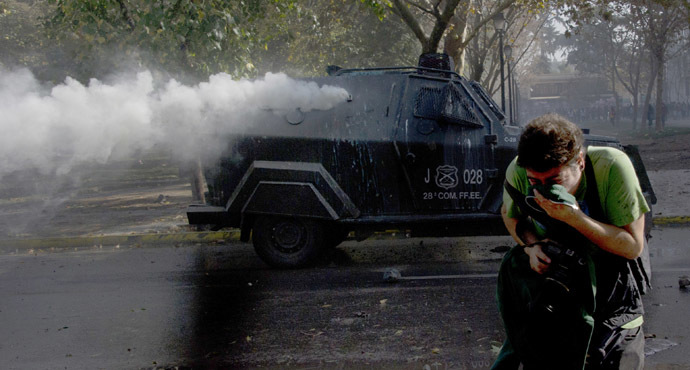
{"x": 567, "y": 175}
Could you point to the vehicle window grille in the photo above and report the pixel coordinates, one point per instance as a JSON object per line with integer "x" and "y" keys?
{"x": 429, "y": 103}
{"x": 459, "y": 109}
{"x": 447, "y": 105}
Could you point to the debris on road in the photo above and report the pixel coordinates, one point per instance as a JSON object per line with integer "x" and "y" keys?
{"x": 684, "y": 282}
{"x": 362, "y": 315}
{"x": 655, "y": 345}
{"x": 391, "y": 275}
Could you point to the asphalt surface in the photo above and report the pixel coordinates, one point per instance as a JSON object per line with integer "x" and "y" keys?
{"x": 666, "y": 306}
{"x": 219, "y": 306}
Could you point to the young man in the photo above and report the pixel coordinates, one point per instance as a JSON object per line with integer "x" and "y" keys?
{"x": 584, "y": 309}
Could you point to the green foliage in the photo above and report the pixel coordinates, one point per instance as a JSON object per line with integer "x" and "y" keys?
{"x": 190, "y": 36}
{"x": 21, "y": 39}
{"x": 337, "y": 32}
{"x": 380, "y": 8}
{"x": 195, "y": 38}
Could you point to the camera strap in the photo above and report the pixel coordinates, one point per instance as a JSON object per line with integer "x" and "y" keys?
{"x": 592, "y": 193}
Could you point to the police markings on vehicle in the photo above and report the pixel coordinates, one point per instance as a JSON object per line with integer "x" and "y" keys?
{"x": 447, "y": 178}
{"x": 451, "y": 195}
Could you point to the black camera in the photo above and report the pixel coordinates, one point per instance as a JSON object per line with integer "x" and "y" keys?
{"x": 558, "y": 289}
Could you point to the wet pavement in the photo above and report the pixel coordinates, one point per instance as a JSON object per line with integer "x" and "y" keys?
{"x": 667, "y": 316}
{"x": 220, "y": 306}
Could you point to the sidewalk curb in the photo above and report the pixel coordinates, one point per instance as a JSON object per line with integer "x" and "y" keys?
{"x": 187, "y": 238}
{"x": 673, "y": 221}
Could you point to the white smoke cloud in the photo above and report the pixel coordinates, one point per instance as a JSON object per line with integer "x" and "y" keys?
{"x": 54, "y": 129}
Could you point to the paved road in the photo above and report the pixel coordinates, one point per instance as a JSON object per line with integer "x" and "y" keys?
{"x": 219, "y": 306}
{"x": 668, "y": 316}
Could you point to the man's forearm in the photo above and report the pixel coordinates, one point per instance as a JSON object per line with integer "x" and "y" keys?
{"x": 626, "y": 241}
{"x": 518, "y": 229}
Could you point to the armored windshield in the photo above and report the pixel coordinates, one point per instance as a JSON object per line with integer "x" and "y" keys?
{"x": 446, "y": 104}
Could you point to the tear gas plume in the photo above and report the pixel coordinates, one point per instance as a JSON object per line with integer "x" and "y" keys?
{"x": 54, "y": 129}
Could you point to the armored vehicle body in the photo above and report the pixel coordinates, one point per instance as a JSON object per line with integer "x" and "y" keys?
{"x": 415, "y": 148}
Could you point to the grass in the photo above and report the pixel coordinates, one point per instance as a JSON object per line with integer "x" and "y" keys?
{"x": 148, "y": 169}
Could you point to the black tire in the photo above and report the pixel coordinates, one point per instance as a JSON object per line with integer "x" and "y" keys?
{"x": 288, "y": 242}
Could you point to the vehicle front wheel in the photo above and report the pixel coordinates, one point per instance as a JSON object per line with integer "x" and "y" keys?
{"x": 287, "y": 242}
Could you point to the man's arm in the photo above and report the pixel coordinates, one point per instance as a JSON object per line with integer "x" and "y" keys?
{"x": 626, "y": 241}
{"x": 523, "y": 235}
{"x": 511, "y": 225}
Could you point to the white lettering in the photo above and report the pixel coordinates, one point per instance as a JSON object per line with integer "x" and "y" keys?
{"x": 450, "y": 195}
{"x": 447, "y": 195}
{"x": 473, "y": 176}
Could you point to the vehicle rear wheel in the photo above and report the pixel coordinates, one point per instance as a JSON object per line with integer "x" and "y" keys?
{"x": 287, "y": 242}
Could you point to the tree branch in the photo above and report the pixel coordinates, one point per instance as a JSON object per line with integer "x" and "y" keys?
{"x": 409, "y": 19}
{"x": 421, "y": 8}
{"x": 441, "y": 25}
{"x": 438, "y": 3}
{"x": 125, "y": 14}
{"x": 501, "y": 7}
{"x": 532, "y": 40}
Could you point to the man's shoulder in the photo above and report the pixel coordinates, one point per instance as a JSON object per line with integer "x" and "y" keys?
{"x": 605, "y": 153}
{"x": 604, "y": 157}
{"x": 517, "y": 176}
{"x": 514, "y": 171}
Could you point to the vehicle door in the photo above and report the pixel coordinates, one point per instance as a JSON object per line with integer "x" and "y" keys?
{"x": 441, "y": 140}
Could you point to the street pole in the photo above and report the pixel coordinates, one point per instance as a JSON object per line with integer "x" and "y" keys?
{"x": 503, "y": 92}
{"x": 517, "y": 99}
{"x": 499, "y": 24}
{"x": 508, "y": 51}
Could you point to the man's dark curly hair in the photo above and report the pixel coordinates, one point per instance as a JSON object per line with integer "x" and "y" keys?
{"x": 549, "y": 141}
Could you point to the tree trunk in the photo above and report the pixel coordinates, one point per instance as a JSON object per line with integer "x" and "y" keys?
{"x": 442, "y": 19}
{"x": 660, "y": 106}
{"x": 196, "y": 176}
{"x": 198, "y": 188}
{"x": 192, "y": 170}
{"x": 636, "y": 107}
{"x": 455, "y": 43}
{"x": 616, "y": 105}
{"x": 648, "y": 95}
{"x": 197, "y": 181}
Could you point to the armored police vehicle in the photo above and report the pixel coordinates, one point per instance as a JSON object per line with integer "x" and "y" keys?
{"x": 415, "y": 148}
